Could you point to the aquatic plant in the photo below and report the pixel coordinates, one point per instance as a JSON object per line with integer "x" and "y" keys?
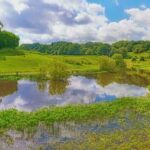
{"x": 17, "y": 120}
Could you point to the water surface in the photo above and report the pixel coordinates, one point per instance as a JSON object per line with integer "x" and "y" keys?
{"x": 29, "y": 95}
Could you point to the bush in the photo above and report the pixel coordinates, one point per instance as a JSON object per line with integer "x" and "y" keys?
{"x": 142, "y": 58}
{"x": 8, "y": 40}
{"x": 107, "y": 64}
{"x": 120, "y": 63}
{"x": 58, "y": 71}
{"x": 134, "y": 58}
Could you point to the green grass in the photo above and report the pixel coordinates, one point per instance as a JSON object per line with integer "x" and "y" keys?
{"x": 11, "y": 52}
{"x": 32, "y": 62}
{"x": 139, "y": 65}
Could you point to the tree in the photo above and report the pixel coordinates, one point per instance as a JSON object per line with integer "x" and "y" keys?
{"x": 8, "y": 40}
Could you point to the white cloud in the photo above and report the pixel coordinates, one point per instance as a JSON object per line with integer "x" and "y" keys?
{"x": 137, "y": 27}
{"x": 75, "y": 20}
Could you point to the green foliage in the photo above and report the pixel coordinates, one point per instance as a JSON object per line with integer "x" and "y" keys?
{"x": 120, "y": 63}
{"x": 132, "y": 46}
{"x": 142, "y": 58}
{"x": 95, "y": 48}
{"x": 68, "y": 48}
{"x": 134, "y": 58}
{"x": 13, "y": 119}
{"x": 107, "y": 64}
{"x": 8, "y": 40}
{"x": 116, "y": 63}
{"x": 58, "y": 71}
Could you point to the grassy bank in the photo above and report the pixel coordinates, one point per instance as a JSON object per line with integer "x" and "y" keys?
{"x": 12, "y": 119}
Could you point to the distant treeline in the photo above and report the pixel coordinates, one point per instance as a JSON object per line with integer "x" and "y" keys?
{"x": 90, "y": 48}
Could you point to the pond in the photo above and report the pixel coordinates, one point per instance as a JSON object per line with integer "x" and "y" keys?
{"x": 30, "y": 95}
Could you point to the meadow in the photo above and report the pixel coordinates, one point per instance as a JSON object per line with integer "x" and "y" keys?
{"x": 27, "y": 62}
{"x": 32, "y": 62}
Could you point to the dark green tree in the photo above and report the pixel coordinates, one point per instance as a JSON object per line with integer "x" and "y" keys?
{"x": 8, "y": 40}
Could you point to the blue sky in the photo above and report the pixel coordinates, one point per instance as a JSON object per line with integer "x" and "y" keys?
{"x": 115, "y": 8}
{"x": 47, "y": 21}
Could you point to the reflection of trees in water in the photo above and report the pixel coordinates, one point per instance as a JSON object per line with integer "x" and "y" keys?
{"x": 57, "y": 87}
{"x": 7, "y": 87}
{"x": 108, "y": 78}
{"x": 42, "y": 85}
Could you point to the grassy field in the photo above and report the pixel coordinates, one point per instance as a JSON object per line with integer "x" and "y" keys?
{"x": 32, "y": 62}
{"x": 139, "y": 65}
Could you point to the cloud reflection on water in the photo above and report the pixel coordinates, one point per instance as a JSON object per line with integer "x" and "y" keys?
{"x": 80, "y": 90}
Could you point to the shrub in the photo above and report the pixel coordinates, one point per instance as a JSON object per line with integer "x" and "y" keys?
{"x": 142, "y": 58}
{"x": 107, "y": 64}
{"x": 58, "y": 71}
{"x": 134, "y": 58}
{"x": 120, "y": 63}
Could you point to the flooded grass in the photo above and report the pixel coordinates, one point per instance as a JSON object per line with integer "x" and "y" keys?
{"x": 121, "y": 124}
{"x": 124, "y": 140}
{"x": 16, "y": 120}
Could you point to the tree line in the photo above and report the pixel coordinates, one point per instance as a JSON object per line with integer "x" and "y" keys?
{"x": 90, "y": 48}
